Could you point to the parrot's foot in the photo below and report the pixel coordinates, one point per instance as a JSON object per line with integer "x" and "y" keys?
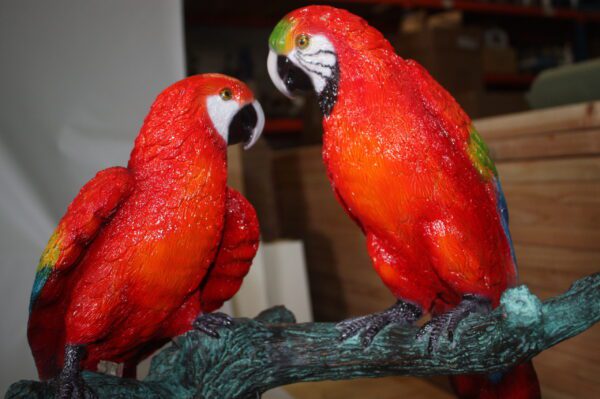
{"x": 400, "y": 313}
{"x": 70, "y": 382}
{"x": 446, "y": 323}
{"x": 210, "y": 323}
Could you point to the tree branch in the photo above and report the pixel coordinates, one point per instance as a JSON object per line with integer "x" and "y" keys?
{"x": 271, "y": 350}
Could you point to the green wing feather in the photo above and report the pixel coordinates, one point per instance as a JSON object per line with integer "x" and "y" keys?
{"x": 482, "y": 161}
{"x": 480, "y": 155}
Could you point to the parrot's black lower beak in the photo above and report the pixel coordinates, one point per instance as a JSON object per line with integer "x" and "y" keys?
{"x": 242, "y": 125}
{"x": 294, "y": 78}
{"x": 246, "y": 125}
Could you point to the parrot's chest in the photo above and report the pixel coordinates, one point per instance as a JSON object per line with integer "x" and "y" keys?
{"x": 381, "y": 187}
{"x": 181, "y": 248}
{"x": 162, "y": 242}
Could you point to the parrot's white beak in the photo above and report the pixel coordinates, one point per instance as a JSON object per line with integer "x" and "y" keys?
{"x": 258, "y": 127}
{"x": 274, "y": 74}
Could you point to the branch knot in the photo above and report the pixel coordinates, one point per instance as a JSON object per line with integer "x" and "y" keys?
{"x": 521, "y": 308}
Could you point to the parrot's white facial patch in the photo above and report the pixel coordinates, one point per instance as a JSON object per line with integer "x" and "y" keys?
{"x": 318, "y": 60}
{"x": 221, "y": 113}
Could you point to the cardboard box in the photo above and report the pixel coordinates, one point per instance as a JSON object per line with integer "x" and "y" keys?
{"x": 452, "y": 56}
{"x": 499, "y": 60}
{"x": 479, "y": 104}
{"x": 500, "y": 102}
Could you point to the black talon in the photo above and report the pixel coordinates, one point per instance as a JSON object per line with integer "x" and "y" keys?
{"x": 400, "y": 313}
{"x": 70, "y": 382}
{"x": 448, "y": 322}
{"x": 210, "y": 323}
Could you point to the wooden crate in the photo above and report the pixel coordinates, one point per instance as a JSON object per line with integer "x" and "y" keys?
{"x": 549, "y": 164}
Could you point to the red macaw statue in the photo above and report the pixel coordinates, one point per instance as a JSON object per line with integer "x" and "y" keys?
{"x": 408, "y": 166}
{"x": 145, "y": 252}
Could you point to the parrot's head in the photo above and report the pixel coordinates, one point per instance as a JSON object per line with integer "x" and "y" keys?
{"x": 209, "y": 109}
{"x": 233, "y": 112}
{"x": 311, "y": 47}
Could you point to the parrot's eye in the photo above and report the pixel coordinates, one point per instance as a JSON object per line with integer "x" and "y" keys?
{"x": 302, "y": 41}
{"x": 226, "y": 94}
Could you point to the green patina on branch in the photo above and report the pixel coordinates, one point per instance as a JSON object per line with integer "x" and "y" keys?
{"x": 271, "y": 350}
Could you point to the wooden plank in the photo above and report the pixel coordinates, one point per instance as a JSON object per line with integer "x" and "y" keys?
{"x": 564, "y": 214}
{"x": 554, "y": 202}
{"x": 380, "y": 388}
{"x": 555, "y": 236}
{"x": 565, "y": 374}
{"x": 553, "y": 170}
{"x": 561, "y": 144}
{"x": 549, "y": 271}
{"x": 585, "y": 348}
{"x": 578, "y": 263}
{"x": 308, "y": 161}
{"x": 565, "y": 203}
{"x": 569, "y": 117}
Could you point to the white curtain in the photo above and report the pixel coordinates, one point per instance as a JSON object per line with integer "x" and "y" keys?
{"x": 76, "y": 80}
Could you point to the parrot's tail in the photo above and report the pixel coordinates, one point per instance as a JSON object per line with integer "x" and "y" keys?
{"x": 520, "y": 382}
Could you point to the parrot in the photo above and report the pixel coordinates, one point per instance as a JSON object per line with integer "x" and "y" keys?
{"x": 410, "y": 169}
{"x": 146, "y": 252}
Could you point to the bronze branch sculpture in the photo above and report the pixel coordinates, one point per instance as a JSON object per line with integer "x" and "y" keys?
{"x": 255, "y": 355}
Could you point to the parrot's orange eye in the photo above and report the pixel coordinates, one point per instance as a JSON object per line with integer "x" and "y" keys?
{"x": 226, "y": 94}
{"x": 302, "y": 41}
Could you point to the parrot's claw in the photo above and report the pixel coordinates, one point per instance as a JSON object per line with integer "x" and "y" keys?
{"x": 210, "y": 323}
{"x": 75, "y": 388}
{"x": 401, "y": 313}
{"x": 446, "y": 323}
{"x": 70, "y": 382}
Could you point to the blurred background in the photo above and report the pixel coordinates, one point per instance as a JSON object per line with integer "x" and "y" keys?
{"x": 78, "y": 77}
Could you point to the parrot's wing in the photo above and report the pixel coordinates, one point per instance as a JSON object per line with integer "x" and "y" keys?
{"x": 236, "y": 251}
{"x": 455, "y": 122}
{"x": 458, "y": 124}
{"x": 91, "y": 209}
{"x": 440, "y": 103}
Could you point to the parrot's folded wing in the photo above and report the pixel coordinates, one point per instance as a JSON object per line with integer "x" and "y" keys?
{"x": 91, "y": 209}
{"x": 455, "y": 122}
{"x": 459, "y": 126}
{"x": 440, "y": 103}
{"x": 236, "y": 251}
{"x": 482, "y": 161}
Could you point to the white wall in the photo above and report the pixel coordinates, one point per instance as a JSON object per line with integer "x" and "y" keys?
{"x": 277, "y": 277}
{"x": 76, "y": 79}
